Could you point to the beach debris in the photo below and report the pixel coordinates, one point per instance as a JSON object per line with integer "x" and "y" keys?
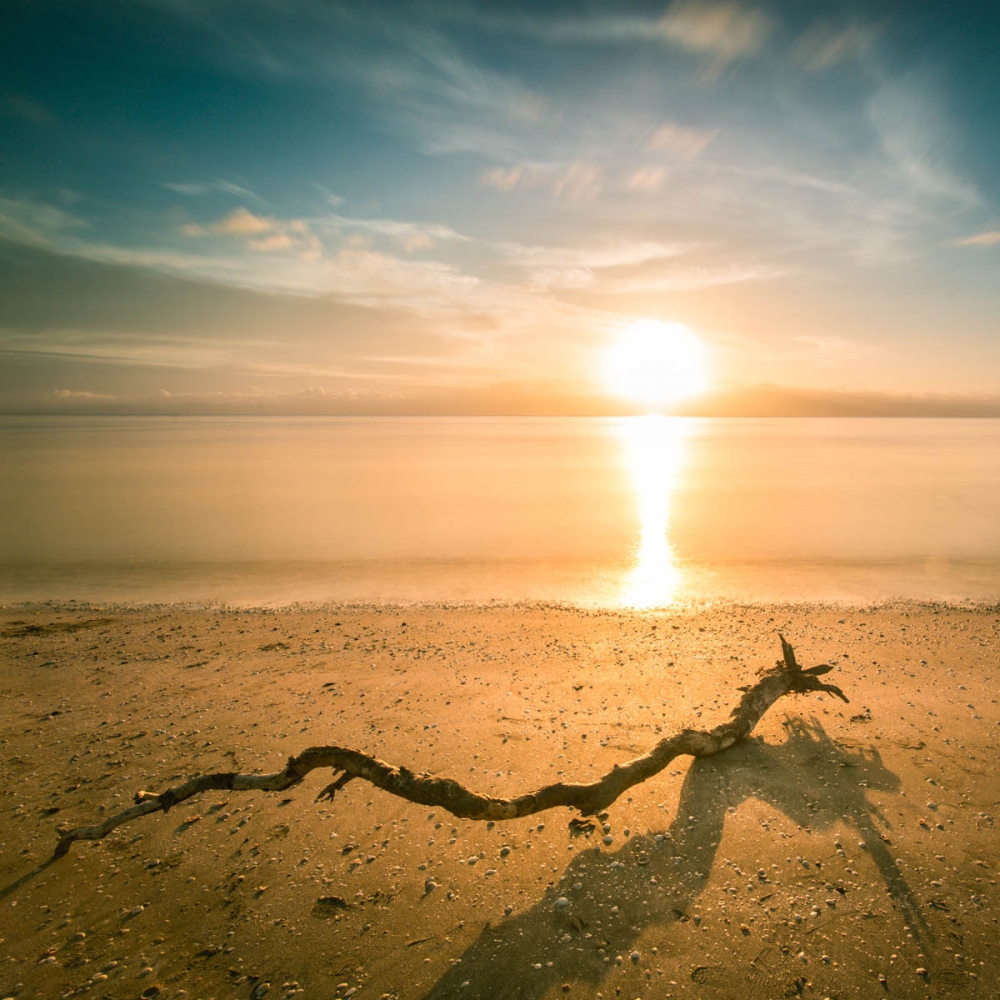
{"x": 327, "y": 904}
{"x": 589, "y": 799}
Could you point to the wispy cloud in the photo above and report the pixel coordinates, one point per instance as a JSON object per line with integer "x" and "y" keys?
{"x": 626, "y": 267}
{"x": 724, "y": 31}
{"x": 681, "y": 140}
{"x": 647, "y": 178}
{"x": 271, "y": 253}
{"x": 580, "y": 181}
{"x": 824, "y": 44}
{"x": 916, "y": 135}
{"x": 200, "y": 188}
{"x": 693, "y": 277}
{"x": 990, "y": 238}
{"x": 80, "y": 395}
{"x": 576, "y": 181}
{"x": 264, "y": 234}
{"x": 411, "y": 236}
{"x": 30, "y": 221}
{"x": 612, "y": 253}
{"x": 506, "y": 178}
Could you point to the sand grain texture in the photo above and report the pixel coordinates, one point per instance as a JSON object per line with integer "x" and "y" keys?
{"x": 838, "y": 844}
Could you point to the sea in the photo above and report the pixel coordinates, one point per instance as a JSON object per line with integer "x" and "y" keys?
{"x": 640, "y": 512}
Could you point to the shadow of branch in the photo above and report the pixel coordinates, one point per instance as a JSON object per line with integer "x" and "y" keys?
{"x": 657, "y": 879}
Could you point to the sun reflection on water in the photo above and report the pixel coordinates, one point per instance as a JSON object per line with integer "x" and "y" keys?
{"x": 654, "y": 450}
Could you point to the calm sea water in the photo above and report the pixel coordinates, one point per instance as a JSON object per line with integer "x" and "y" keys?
{"x": 609, "y": 512}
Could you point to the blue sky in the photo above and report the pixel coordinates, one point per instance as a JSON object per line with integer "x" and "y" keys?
{"x": 379, "y": 206}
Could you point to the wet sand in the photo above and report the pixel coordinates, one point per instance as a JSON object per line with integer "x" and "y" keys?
{"x": 840, "y": 844}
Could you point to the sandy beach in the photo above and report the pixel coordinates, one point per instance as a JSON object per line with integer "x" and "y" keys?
{"x": 842, "y": 851}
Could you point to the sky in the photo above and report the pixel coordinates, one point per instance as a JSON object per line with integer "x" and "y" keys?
{"x": 319, "y": 207}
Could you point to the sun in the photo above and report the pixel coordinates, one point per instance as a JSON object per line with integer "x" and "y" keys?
{"x": 656, "y": 364}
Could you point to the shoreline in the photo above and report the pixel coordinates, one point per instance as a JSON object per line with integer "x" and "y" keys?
{"x": 831, "y": 802}
{"x": 525, "y": 604}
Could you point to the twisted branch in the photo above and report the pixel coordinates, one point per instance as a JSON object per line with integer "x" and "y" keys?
{"x": 787, "y": 677}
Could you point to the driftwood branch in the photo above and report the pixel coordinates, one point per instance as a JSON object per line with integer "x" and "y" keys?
{"x": 787, "y": 677}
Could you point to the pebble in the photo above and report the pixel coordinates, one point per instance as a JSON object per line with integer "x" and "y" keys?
{"x": 261, "y": 989}
{"x": 504, "y": 851}
{"x": 473, "y": 860}
{"x": 635, "y": 957}
{"x": 561, "y": 903}
{"x": 608, "y": 839}
{"x": 490, "y": 871}
{"x": 136, "y": 910}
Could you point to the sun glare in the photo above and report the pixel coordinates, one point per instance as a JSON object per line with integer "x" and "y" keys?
{"x": 656, "y": 364}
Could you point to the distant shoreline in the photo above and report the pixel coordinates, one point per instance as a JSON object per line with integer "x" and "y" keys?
{"x": 679, "y": 608}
